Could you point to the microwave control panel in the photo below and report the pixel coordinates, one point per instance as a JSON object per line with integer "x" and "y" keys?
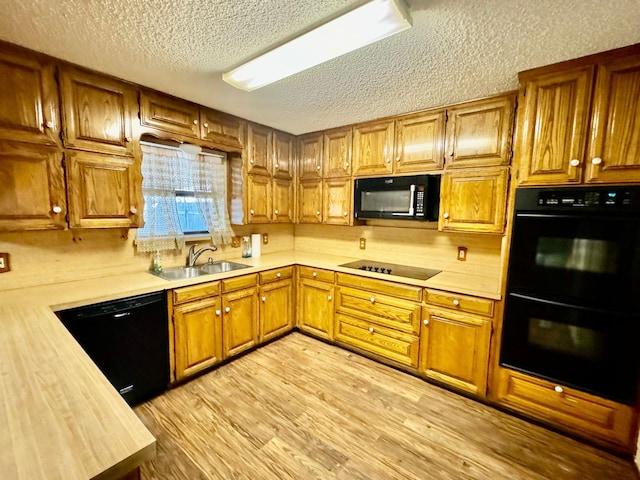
{"x": 420, "y": 202}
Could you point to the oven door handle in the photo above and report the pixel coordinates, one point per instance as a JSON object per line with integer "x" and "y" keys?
{"x": 566, "y": 305}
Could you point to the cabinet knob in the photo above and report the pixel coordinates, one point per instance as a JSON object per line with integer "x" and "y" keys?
{"x": 425, "y": 321}
{"x": 346, "y": 164}
{"x": 371, "y": 330}
{"x": 596, "y": 161}
{"x": 195, "y": 122}
{"x": 318, "y": 168}
{"x": 315, "y": 274}
{"x": 329, "y": 297}
{"x": 49, "y": 124}
{"x": 264, "y": 299}
{"x": 276, "y": 212}
{"x": 558, "y": 389}
{"x": 133, "y": 210}
{"x": 251, "y": 161}
{"x": 456, "y": 302}
{"x": 252, "y": 211}
{"x": 206, "y": 125}
{"x": 445, "y": 215}
{"x": 574, "y": 162}
{"x": 372, "y": 300}
{"x": 127, "y": 139}
{"x": 56, "y": 209}
{"x": 218, "y": 312}
{"x": 387, "y": 160}
{"x": 278, "y": 274}
{"x": 317, "y": 212}
{"x": 227, "y": 309}
{"x": 346, "y": 214}
{"x": 398, "y": 158}
{"x": 276, "y": 166}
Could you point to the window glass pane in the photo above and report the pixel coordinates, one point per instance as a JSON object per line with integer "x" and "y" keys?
{"x": 191, "y": 220}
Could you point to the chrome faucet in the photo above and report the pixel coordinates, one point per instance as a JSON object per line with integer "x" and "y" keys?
{"x": 193, "y": 255}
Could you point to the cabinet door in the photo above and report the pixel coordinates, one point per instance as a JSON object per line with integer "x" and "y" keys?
{"x": 282, "y": 201}
{"x": 97, "y": 112}
{"x": 373, "y": 148}
{"x": 310, "y": 156}
{"x": 419, "y": 142}
{"x": 283, "y": 155}
{"x": 337, "y": 152}
{"x": 479, "y": 133}
{"x": 474, "y": 200}
{"x": 276, "y": 309}
{"x": 198, "y": 336}
{"x": 32, "y": 194}
{"x": 259, "y": 149}
{"x": 169, "y": 114}
{"x": 28, "y": 100}
{"x": 240, "y": 321}
{"x": 220, "y": 128}
{"x": 553, "y": 127}
{"x": 454, "y": 349}
{"x": 614, "y": 150}
{"x": 102, "y": 190}
{"x": 259, "y": 198}
{"x": 337, "y": 201}
{"x": 315, "y": 307}
{"x": 310, "y": 202}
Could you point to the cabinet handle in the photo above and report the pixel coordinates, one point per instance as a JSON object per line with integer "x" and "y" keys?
{"x": 252, "y": 211}
{"x": 345, "y": 214}
{"x": 329, "y": 297}
{"x": 371, "y": 329}
{"x": 206, "y": 125}
{"x": 315, "y": 274}
{"x": 372, "y": 300}
{"x": 133, "y": 210}
{"x": 227, "y": 309}
{"x": 276, "y": 166}
{"x": 445, "y": 215}
{"x": 317, "y": 212}
{"x": 318, "y": 168}
{"x": 456, "y": 302}
{"x": 574, "y": 162}
{"x": 425, "y": 321}
{"x": 218, "y": 312}
{"x": 596, "y": 161}
{"x": 48, "y": 124}
{"x": 195, "y": 122}
{"x": 278, "y": 274}
{"x": 558, "y": 389}
{"x": 264, "y": 299}
{"x": 56, "y": 209}
{"x": 276, "y": 212}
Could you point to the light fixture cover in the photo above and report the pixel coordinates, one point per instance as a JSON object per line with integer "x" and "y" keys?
{"x": 366, "y": 24}
{"x": 190, "y": 148}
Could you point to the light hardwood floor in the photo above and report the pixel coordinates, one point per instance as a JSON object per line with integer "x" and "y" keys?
{"x": 300, "y": 409}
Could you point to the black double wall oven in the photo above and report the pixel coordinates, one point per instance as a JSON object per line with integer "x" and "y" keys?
{"x": 572, "y": 310}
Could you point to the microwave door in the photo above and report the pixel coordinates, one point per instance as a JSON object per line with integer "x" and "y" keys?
{"x": 412, "y": 199}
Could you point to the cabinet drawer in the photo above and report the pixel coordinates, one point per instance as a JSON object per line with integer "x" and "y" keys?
{"x": 317, "y": 274}
{"x": 235, "y": 283}
{"x": 381, "y": 286}
{"x": 380, "y": 309}
{"x": 194, "y": 292}
{"x": 463, "y": 303}
{"x": 608, "y": 420}
{"x": 276, "y": 274}
{"x": 397, "y": 346}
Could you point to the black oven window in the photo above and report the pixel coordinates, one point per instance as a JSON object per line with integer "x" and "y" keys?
{"x": 572, "y": 340}
{"x": 579, "y": 254}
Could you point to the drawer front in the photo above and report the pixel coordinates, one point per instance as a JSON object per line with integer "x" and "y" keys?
{"x": 276, "y": 274}
{"x": 397, "y": 346}
{"x": 463, "y": 303}
{"x": 579, "y": 411}
{"x": 408, "y": 292}
{"x": 236, "y": 283}
{"x": 194, "y": 292}
{"x": 380, "y": 309}
{"x": 317, "y": 274}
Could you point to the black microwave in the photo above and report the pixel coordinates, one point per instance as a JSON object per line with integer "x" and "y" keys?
{"x": 415, "y": 197}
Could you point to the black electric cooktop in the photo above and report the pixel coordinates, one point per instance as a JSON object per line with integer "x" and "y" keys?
{"x": 392, "y": 269}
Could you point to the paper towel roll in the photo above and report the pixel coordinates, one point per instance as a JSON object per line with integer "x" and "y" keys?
{"x": 256, "y": 243}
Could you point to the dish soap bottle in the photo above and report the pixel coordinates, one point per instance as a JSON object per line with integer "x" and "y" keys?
{"x": 157, "y": 263}
{"x": 246, "y": 247}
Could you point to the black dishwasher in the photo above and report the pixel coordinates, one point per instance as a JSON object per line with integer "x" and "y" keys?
{"x": 128, "y": 340}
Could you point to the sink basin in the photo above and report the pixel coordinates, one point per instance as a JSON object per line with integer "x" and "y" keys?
{"x": 182, "y": 273}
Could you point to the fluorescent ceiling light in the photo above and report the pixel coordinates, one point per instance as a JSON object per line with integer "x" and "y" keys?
{"x": 367, "y": 24}
{"x": 190, "y": 148}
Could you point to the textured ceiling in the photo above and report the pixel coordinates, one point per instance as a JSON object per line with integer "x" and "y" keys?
{"x": 457, "y": 50}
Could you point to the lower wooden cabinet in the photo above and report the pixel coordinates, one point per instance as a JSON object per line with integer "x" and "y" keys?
{"x": 454, "y": 349}
{"x": 198, "y": 336}
{"x": 276, "y": 309}
{"x": 239, "y": 321}
{"x": 595, "y": 418}
{"x": 315, "y": 307}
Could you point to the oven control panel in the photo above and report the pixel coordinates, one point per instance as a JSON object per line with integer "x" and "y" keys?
{"x": 592, "y": 198}
{"x": 585, "y": 198}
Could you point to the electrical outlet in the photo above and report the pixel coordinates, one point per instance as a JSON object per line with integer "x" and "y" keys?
{"x": 265, "y": 238}
{"x": 363, "y": 243}
{"x": 235, "y": 242}
{"x": 462, "y": 254}
{"x": 4, "y": 262}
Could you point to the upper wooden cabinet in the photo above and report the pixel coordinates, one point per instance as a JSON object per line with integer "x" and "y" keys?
{"x": 373, "y": 148}
{"x": 220, "y": 128}
{"x": 283, "y": 196}
{"x": 579, "y": 121}
{"x": 310, "y": 202}
{"x": 474, "y": 200}
{"x": 97, "y": 112}
{"x": 310, "y": 156}
{"x": 283, "y": 155}
{"x": 28, "y": 99}
{"x": 169, "y": 114}
{"x": 337, "y": 152}
{"x": 337, "y": 201}
{"x": 479, "y": 132}
{"x": 259, "y": 199}
{"x": 33, "y": 193}
{"x": 419, "y": 144}
{"x": 259, "y": 149}
{"x": 103, "y": 190}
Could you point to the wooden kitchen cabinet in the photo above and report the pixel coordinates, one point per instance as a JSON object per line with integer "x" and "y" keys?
{"x": 198, "y": 336}
{"x": 28, "y": 99}
{"x": 310, "y": 156}
{"x": 479, "y": 132}
{"x": 239, "y": 321}
{"x": 276, "y": 309}
{"x": 259, "y": 149}
{"x": 259, "y": 198}
{"x": 419, "y": 144}
{"x": 579, "y": 121}
{"x": 103, "y": 190}
{"x": 33, "y": 190}
{"x": 454, "y": 349}
{"x": 338, "y": 201}
{"x": 337, "y": 152}
{"x": 474, "y": 200}
{"x": 315, "y": 307}
{"x": 373, "y": 148}
{"x": 169, "y": 114}
{"x": 220, "y": 128}
{"x": 283, "y": 201}
{"x": 97, "y": 112}
{"x": 283, "y": 155}
{"x": 310, "y": 202}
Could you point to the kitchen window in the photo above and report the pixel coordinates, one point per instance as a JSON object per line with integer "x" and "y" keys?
{"x": 185, "y": 195}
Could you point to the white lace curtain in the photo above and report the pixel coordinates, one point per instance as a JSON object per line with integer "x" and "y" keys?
{"x": 166, "y": 171}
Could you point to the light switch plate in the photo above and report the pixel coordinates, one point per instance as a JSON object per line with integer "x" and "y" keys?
{"x": 4, "y": 262}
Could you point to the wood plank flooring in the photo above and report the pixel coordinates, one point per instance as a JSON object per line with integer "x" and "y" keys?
{"x": 302, "y": 409}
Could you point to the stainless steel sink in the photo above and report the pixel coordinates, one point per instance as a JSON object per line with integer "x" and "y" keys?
{"x": 182, "y": 273}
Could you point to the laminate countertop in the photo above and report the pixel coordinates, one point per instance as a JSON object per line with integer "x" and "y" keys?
{"x": 61, "y": 417}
